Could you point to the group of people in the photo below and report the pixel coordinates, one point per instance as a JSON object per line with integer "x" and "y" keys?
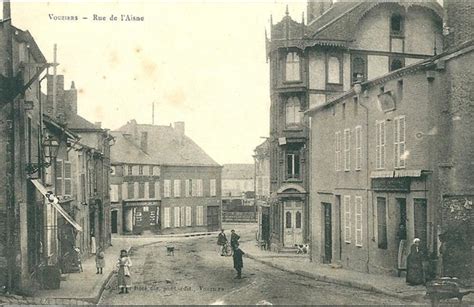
{"x": 237, "y": 253}
{"x": 123, "y": 268}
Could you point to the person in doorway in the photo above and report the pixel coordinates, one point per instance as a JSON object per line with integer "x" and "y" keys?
{"x": 93, "y": 245}
{"x": 402, "y": 248}
{"x": 234, "y": 239}
{"x": 238, "y": 262}
{"x": 124, "y": 279}
{"x": 222, "y": 241}
{"x": 415, "y": 275}
{"x": 100, "y": 260}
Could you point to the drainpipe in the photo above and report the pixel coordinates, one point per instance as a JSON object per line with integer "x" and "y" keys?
{"x": 358, "y": 91}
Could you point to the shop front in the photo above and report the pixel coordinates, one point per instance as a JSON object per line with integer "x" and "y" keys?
{"x": 141, "y": 216}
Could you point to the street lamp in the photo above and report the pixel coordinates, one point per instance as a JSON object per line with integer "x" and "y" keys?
{"x": 50, "y": 148}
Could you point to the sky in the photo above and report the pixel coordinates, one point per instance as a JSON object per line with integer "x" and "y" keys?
{"x": 200, "y": 62}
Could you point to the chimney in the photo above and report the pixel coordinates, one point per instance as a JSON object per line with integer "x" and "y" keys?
{"x": 459, "y": 23}
{"x": 60, "y": 109}
{"x": 179, "y": 128}
{"x": 315, "y": 8}
{"x": 144, "y": 141}
{"x": 70, "y": 99}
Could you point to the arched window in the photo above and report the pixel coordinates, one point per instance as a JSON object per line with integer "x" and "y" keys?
{"x": 288, "y": 219}
{"x": 292, "y": 67}
{"x": 358, "y": 69}
{"x": 298, "y": 220}
{"x": 293, "y": 116}
{"x": 396, "y": 64}
{"x": 334, "y": 70}
{"x": 396, "y": 24}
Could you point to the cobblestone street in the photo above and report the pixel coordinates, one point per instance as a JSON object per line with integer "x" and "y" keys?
{"x": 196, "y": 274}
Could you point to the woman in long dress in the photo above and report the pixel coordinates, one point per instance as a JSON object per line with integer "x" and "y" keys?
{"x": 123, "y": 277}
{"x": 415, "y": 274}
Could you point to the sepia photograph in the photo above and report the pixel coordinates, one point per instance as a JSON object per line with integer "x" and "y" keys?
{"x": 237, "y": 152}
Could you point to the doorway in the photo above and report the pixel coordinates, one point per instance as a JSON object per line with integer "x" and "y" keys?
{"x": 327, "y": 232}
{"x": 213, "y": 218}
{"x": 293, "y": 219}
{"x": 114, "y": 221}
{"x": 421, "y": 221}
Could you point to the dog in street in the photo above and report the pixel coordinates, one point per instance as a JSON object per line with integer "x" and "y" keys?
{"x": 302, "y": 248}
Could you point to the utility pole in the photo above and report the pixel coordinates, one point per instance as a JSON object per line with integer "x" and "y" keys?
{"x": 10, "y": 150}
{"x": 55, "y": 51}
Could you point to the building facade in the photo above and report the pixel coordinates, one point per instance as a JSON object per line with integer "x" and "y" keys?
{"x": 312, "y": 63}
{"x": 237, "y": 179}
{"x": 388, "y": 159}
{"x": 163, "y": 182}
{"x": 262, "y": 190}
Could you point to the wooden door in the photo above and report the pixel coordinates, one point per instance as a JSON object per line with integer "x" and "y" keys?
{"x": 213, "y": 218}
{"x": 327, "y": 232}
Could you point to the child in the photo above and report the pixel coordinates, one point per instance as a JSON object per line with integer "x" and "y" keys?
{"x": 123, "y": 264}
{"x": 99, "y": 260}
{"x": 238, "y": 262}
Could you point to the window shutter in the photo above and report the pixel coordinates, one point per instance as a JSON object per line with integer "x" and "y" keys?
{"x": 59, "y": 177}
{"x": 358, "y": 221}
{"x": 199, "y": 215}
{"x": 176, "y": 216}
{"x": 347, "y": 219}
{"x": 167, "y": 221}
{"x": 188, "y": 216}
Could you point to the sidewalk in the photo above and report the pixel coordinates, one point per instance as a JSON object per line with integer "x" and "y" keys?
{"x": 300, "y": 265}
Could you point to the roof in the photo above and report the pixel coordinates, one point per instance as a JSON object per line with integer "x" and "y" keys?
{"x": 238, "y": 171}
{"x": 26, "y": 37}
{"x": 125, "y": 151}
{"x": 165, "y": 146}
{"x": 77, "y": 122}
{"x": 336, "y": 27}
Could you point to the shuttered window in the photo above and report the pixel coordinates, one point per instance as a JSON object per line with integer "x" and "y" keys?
{"x": 399, "y": 142}
{"x": 358, "y": 147}
{"x": 358, "y": 220}
{"x": 199, "y": 215}
{"x": 59, "y": 177}
{"x": 166, "y": 217}
{"x": 177, "y": 188}
{"x": 347, "y": 219}
{"x": 67, "y": 178}
{"x": 212, "y": 187}
{"x": 177, "y": 216}
{"x": 167, "y": 188}
{"x": 188, "y": 216}
{"x": 380, "y": 137}
{"x": 347, "y": 149}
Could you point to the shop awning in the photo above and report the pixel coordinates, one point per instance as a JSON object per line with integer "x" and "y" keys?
{"x": 47, "y": 194}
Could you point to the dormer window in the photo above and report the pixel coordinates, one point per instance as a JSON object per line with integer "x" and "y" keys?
{"x": 358, "y": 69}
{"x": 396, "y": 24}
{"x": 292, "y": 67}
{"x": 293, "y": 109}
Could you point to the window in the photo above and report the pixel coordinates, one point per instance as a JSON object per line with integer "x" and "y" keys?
{"x": 396, "y": 63}
{"x": 358, "y": 69}
{"x": 187, "y": 188}
{"x": 288, "y": 219}
{"x": 182, "y": 216}
{"x": 293, "y": 111}
{"x": 130, "y": 170}
{"x": 293, "y": 165}
{"x": 140, "y": 170}
{"x": 334, "y": 70}
{"x": 292, "y": 67}
{"x": 212, "y": 187}
{"x": 114, "y": 193}
{"x": 188, "y": 216}
{"x": 199, "y": 215}
{"x": 396, "y": 24}
{"x": 67, "y": 178}
{"x": 167, "y": 218}
{"x": 130, "y": 190}
{"x": 177, "y": 216}
{"x": 167, "y": 188}
{"x": 141, "y": 190}
{"x": 380, "y": 145}
{"x": 194, "y": 188}
{"x": 399, "y": 143}
{"x": 382, "y": 222}
{"x": 338, "y": 151}
{"x": 298, "y": 220}
{"x": 347, "y": 149}
{"x": 358, "y": 220}
{"x": 157, "y": 189}
{"x": 347, "y": 219}
{"x": 59, "y": 177}
{"x": 177, "y": 188}
{"x": 151, "y": 190}
{"x": 199, "y": 188}
{"x": 358, "y": 147}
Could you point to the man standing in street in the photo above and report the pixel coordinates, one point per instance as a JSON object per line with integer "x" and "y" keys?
{"x": 238, "y": 262}
{"x": 234, "y": 239}
{"x": 222, "y": 241}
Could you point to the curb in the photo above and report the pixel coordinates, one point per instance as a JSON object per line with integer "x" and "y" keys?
{"x": 329, "y": 279}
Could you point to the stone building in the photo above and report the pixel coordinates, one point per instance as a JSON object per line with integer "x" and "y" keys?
{"x": 390, "y": 159}
{"x": 162, "y": 181}
{"x": 312, "y": 63}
